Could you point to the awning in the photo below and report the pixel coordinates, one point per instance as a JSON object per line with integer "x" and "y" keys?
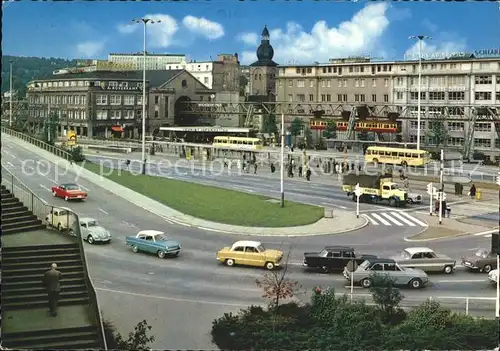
{"x": 117, "y": 129}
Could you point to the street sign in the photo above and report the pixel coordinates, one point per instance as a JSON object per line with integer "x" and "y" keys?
{"x": 357, "y": 190}
{"x": 429, "y": 189}
{"x": 440, "y": 196}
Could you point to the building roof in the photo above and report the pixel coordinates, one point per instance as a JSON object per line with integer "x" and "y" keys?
{"x": 414, "y": 250}
{"x": 147, "y": 54}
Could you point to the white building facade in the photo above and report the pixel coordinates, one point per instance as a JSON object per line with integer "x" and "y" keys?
{"x": 153, "y": 61}
{"x": 203, "y": 71}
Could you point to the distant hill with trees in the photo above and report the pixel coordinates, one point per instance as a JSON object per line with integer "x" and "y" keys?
{"x": 25, "y": 69}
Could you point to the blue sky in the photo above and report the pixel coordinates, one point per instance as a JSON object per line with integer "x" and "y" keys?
{"x": 301, "y": 32}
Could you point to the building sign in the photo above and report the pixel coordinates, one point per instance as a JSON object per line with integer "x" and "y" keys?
{"x": 210, "y": 105}
{"x": 108, "y": 65}
{"x": 109, "y": 87}
{"x": 487, "y": 53}
{"x": 71, "y": 138}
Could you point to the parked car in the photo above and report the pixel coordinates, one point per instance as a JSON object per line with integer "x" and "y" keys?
{"x": 483, "y": 260}
{"x": 365, "y": 272}
{"x": 93, "y": 232}
{"x": 61, "y": 218}
{"x": 493, "y": 276}
{"x": 155, "y": 242}
{"x": 69, "y": 191}
{"x": 250, "y": 253}
{"x": 333, "y": 258}
{"x": 414, "y": 198}
{"x": 425, "y": 259}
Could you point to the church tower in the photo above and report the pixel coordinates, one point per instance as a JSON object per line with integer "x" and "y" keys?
{"x": 263, "y": 72}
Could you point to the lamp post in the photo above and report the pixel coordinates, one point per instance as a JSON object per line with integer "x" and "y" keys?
{"x": 419, "y": 38}
{"x": 282, "y": 155}
{"x": 145, "y": 22}
{"x": 10, "y": 93}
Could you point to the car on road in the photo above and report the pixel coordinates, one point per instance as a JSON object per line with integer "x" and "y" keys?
{"x": 155, "y": 242}
{"x": 250, "y": 253}
{"x": 333, "y": 258}
{"x": 493, "y": 276}
{"x": 482, "y": 260}
{"x": 366, "y": 273}
{"x": 61, "y": 218}
{"x": 93, "y": 232}
{"x": 425, "y": 259}
{"x": 414, "y": 198}
{"x": 69, "y": 191}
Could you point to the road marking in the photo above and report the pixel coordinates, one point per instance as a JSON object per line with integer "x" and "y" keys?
{"x": 381, "y": 219}
{"x": 462, "y": 281}
{"x": 130, "y": 224}
{"x": 486, "y": 232}
{"x": 10, "y": 164}
{"x": 416, "y": 220}
{"x": 329, "y": 204}
{"x": 401, "y": 218}
{"x": 100, "y": 209}
{"x": 396, "y": 222}
{"x": 171, "y": 298}
{"x": 9, "y": 146}
{"x": 44, "y": 187}
{"x": 370, "y": 219}
{"x": 53, "y": 181}
{"x": 6, "y": 152}
{"x": 242, "y": 188}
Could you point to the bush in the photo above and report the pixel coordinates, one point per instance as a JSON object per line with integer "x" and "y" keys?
{"x": 77, "y": 154}
{"x": 137, "y": 340}
{"x": 329, "y": 322}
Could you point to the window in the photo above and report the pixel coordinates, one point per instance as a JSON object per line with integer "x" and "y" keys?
{"x": 157, "y": 114}
{"x": 301, "y": 83}
{"x": 362, "y": 81}
{"x": 311, "y": 83}
{"x": 184, "y": 83}
{"x": 101, "y": 99}
{"x": 362, "y": 97}
{"x": 323, "y": 97}
{"x": 323, "y": 83}
{"x": 129, "y": 114}
{"x": 453, "y": 141}
{"x": 377, "y": 267}
{"x": 309, "y": 70}
{"x": 328, "y": 97}
{"x": 80, "y": 83}
{"x": 344, "y": 97}
{"x": 73, "y": 83}
{"x": 414, "y": 95}
{"x": 128, "y": 100}
{"x": 456, "y": 80}
{"x": 311, "y": 97}
{"x": 205, "y": 80}
{"x": 414, "y": 125}
{"x": 399, "y": 81}
{"x": 374, "y": 82}
{"x": 399, "y": 95}
{"x": 351, "y": 69}
{"x": 456, "y": 95}
{"x": 102, "y": 114}
{"x": 328, "y": 83}
{"x": 339, "y": 97}
{"x": 70, "y": 114}
{"x": 59, "y": 99}
{"x": 340, "y": 83}
{"x": 386, "y": 97}
{"x": 157, "y": 98}
{"x": 139, "y": 99}
{"x": 65, "y": 99}
{"x": 374, "y": 97}
{"x": 115, "y": 99}
{"x": 483, "y": 127}
{"x": 77, "y": 99}
{"x": 290, "y": 83}
{"x": 301, "y": 97}
{"x": 280, "y": 83}
{"x": 60, "y": 84}
{"x": 345, "y": 83}
{"x": 483, "y": 95}
{"x": 356, "y": 97}
{"x": 115, "y": 114}
{"x": 324, "y": 69}
{"x": 83, "y": 99}
{"x": 483, "y": 79}
{"x": 482, "y": 142}
{"x": 356, "y": 83}
{"x": 290, "y": 98}
{"x": 386, "y": 81}
{"x": 497, "y": 97}
{"x": 436, "y": 95}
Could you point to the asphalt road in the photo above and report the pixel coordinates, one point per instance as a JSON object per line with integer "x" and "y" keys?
{"x": 180, "y": 297}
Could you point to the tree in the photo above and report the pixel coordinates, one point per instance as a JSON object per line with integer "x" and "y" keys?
{"x": 308, "y": 138}
{"x": 296, "y": 128}
{"x": 387, "y": 298}
{"x": 270, "y": 126}
{"x": 137, "y": 340}
{"x": 50, "y": 128}
{"x": 331, "y": 130}
{"x": 437, "y": 134}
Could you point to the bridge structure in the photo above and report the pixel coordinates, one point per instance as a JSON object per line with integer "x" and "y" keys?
{"x": 354, "y": 111}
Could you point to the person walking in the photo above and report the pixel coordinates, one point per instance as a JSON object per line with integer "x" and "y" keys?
{"x": 52, "y": 282}
{"x": 472, "y": 192}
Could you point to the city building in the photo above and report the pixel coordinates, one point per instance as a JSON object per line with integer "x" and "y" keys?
{"x": 153, "y": 61}
{"x": 96, "y": 103}
{"x": 264, "y": 71}
{"x": 457, "y": 90}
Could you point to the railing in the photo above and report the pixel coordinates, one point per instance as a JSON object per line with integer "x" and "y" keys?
{"x": 110, "y": 143}
{"x": 37, "y": 142}
{"x": 42, "y": 210}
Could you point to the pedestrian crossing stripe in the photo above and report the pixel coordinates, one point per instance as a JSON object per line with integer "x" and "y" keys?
{"x": 399, "y": 219}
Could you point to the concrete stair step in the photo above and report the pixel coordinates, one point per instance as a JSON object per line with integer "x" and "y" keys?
{"x": 43, "y": 304}
{"x": 21, "y": 224}
{"x": 42, "y": 259}
{"x": 14, "y": 286}
{"x": 8, "y": 271}
{"x": 23, "y": 229}
{"x": 42, "y": 297}
{"x": 63, "y": 341}
{"x": 27, "y": 216}
{"x": 36, "y": 278}
{"x": 21, "y": 212}
{"x": 37, "y": 264}
{"x": 6, "y": 201}
{"x": 40, "y": 290}
{"x": 13, "y": 209}
{"x": 37, "y": 248}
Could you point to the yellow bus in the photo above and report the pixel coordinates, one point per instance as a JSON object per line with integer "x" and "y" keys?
{"x": 238, "y": 143}
{"x": 397, "y": 156}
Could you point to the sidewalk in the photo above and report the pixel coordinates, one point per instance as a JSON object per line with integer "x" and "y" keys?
{"x": 339, "y": 222}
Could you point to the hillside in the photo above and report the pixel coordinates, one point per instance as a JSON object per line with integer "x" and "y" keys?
{"x": 25, "y": 69}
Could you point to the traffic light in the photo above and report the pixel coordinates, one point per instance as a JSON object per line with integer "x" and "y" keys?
{"x": 498, "y": 179}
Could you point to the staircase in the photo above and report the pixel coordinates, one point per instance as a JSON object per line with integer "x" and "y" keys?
{"x": 16, "y": 218}
{"x": 22, "y": 273}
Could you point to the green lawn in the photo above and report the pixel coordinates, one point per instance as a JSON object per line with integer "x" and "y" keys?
{"x": 216, "y": 204}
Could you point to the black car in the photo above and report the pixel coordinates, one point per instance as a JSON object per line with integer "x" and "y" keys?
{"x": 333, "y": 258}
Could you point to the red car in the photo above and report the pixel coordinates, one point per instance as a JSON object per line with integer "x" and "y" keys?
{"x": 69, "y": 192}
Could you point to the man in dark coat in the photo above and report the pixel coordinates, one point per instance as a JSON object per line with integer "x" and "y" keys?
{"x": 52, "y": 282}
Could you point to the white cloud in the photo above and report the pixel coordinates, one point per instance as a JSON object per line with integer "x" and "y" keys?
{"x": 127, "y": 28}
{"x": 249, "y": 38}
{"x": 204, "y": 27}
{"x": 440, "y": 50}
{"x": 356, "y": 37}
{"x": 89, "y": 49}
{"x": 160, "y": 34}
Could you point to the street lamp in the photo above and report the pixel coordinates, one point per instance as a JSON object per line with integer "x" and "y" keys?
{"x": 282, "y": 155}
{"x": 419, "y": 38}
{"x": 144, "y": 21}
{"x": 10, "y": 91}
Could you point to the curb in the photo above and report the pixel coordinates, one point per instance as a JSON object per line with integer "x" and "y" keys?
{"x": 408, "y": 239}
{"x": 175, "y": 221}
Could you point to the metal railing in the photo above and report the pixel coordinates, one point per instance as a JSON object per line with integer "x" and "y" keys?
{"x": 67, "y": 222}
{"x": 116, "y": 143}
{"x": 38, "y": 143}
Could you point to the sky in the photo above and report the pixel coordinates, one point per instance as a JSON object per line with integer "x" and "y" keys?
{"x": 301, "y": 32}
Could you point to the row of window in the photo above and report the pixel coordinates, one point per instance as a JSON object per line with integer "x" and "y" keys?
{"x": 63, "y": 114}
{"x": 451, "y": 141}
{"x": 129, "y": 100}
{"x": 114, "y": 114}
{"x": 455, "y": 126}
{"x": 439, "y": 80}
{"x": 58, "y": 99}
{"x": 86, "y": 83}
{"x": 486, "y": 95}
{"x": 340, "y": 98}
{"x": 342, "y": 83}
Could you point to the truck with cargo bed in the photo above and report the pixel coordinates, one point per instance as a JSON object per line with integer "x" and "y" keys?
{"x": 375, "y": 189}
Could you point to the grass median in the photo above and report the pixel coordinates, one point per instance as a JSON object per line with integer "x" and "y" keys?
{"x": 213, "y": 203}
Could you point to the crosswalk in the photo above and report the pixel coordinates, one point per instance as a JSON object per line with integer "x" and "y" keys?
{"x": 394, "y": 218}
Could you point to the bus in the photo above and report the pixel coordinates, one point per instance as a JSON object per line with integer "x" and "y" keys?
{"x": 239, "y": 143}
{"x": 397, "y": 156}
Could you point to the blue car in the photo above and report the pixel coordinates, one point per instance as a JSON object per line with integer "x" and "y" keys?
{"x": 155, "y": 242}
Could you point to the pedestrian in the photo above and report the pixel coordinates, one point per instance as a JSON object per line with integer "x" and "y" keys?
{"x": 359, "y": 167}
{"x": 255, "y": 168}
{"x": 308, "y": 175}
{"x": 406, "y": 183}
{"x": 51, "y": 280}
{"x": 457, "y": 187}
{"x": 472, "y": 191}
{"x": 273, "y": 169}
{"x": 300, "y": 171}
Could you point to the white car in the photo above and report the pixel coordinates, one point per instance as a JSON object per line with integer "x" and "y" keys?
{"x": 493, "y": 276}
{"x": 414, "y": 198}
{"x": 93, "y": 232}
{"x": 61, "y": 218}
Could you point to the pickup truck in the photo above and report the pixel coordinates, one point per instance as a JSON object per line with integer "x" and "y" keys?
{"x": 155, "y": 242}
{"x": 377, "y": 189}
